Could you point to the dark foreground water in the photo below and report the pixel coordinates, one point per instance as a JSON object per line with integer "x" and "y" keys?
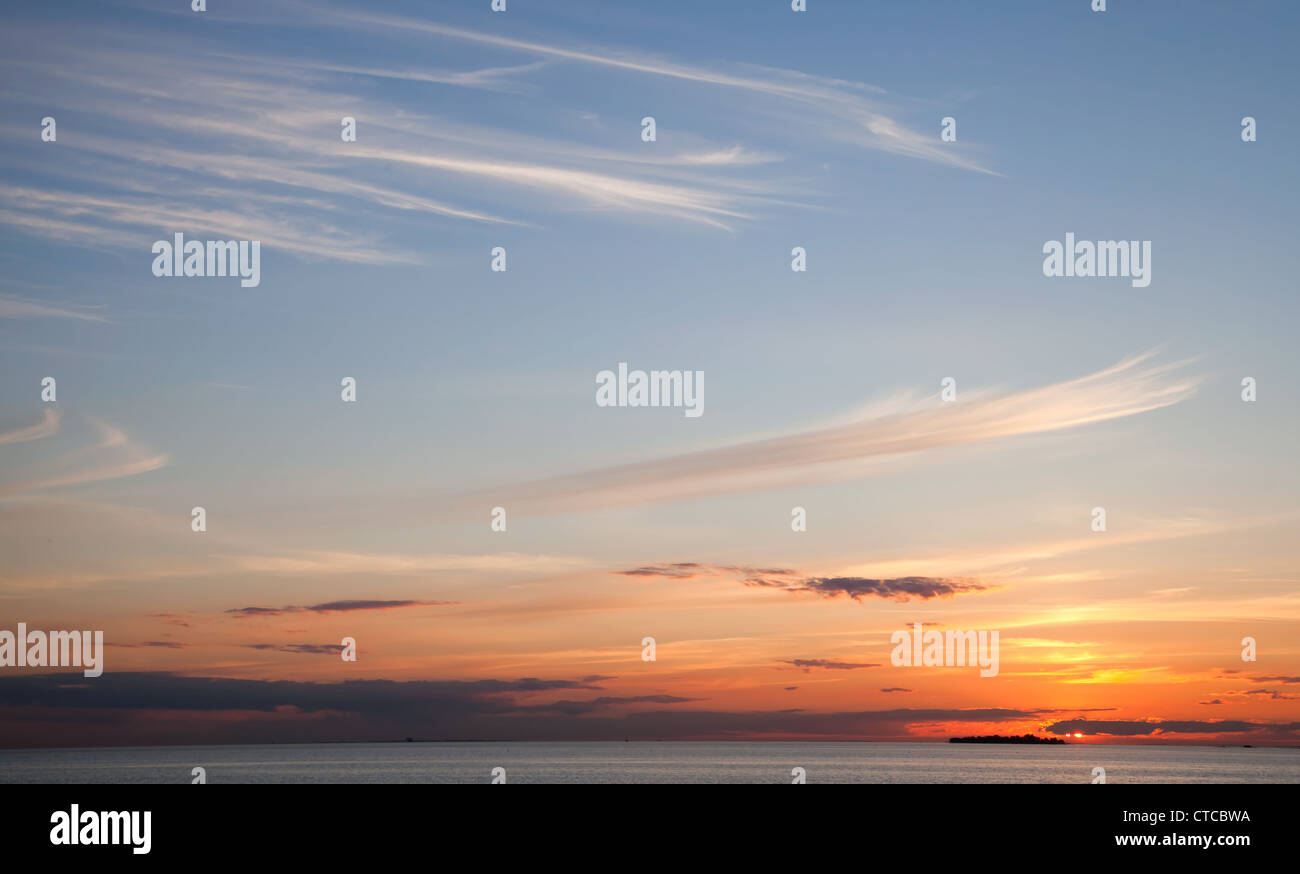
{"x": 709, "y": 762}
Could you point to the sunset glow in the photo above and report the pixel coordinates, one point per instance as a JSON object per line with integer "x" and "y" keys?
{"x": 897, "y": 482}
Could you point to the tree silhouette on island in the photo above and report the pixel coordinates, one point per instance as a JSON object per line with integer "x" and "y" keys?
{"x": 999, "y": 739}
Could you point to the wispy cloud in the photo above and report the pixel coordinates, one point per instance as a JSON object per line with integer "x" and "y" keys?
{"x": 486, "y": 78}
{"x": 218, "y": 122}
{"x": 334, "y": 562}
{"x": 851, "y": 111}
{"x": 213, "y": 99}
{"x": 115, "y": 456}
{"x": 686, "y": 570}
{"x": 47, "y": 427}
{"x": 19, "y": 308}
{"x": 1128, "y": 388}
{"x": 98, "y": 219}
{"x": 1001, "y": 560}
{"x": 350, "y": 606}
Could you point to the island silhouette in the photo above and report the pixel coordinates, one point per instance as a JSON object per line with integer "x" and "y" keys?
{"x": 999, "y": 739}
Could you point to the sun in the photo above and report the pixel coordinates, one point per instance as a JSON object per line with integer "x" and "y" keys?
{"x": 1078, "y": 734}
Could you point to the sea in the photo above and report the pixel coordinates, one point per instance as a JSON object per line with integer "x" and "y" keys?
{"x": 653, "y": 762}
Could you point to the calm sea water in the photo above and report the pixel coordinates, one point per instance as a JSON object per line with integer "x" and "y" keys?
{"x": 675, "y": 762}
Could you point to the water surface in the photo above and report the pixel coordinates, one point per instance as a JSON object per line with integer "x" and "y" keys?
{"x": 651, "y": 762}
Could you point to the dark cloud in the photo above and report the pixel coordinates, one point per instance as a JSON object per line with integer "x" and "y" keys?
{"x": 348, "y": 606}
{"x": 574, "y": 708}
{"x": 379, "y": 698}
{"x": 857, "y": 588}
{"x": 163, "y": 644}
{"x": 170, "y": 618}
{"x": 334, "y": 607}
{"x": 899, "y": 589}
{"x": 684, "y": 570}
{"x": 305, "y": 648}
{"x": 1285, "y": 680}
{"x": 895, "y": 689}
{"x": 1156, "y": 727}
{"x": 162, "y": 708}
{"x": 806, "y": 665}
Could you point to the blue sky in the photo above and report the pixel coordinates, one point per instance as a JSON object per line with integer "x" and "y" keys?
{"x": 1115, "y": 124}
{"x": 522, "y": 130}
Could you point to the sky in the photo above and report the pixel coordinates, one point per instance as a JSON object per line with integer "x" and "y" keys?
{"x": 476, "y": 388}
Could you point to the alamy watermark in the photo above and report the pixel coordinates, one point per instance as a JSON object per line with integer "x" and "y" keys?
{"x": 945, "y": 649}
{"x": 658, "y": 388}
{"x": 241, "y": 258}
{"x": 1085, "y": 258}
{"x": 98, "y": 827}
{"x": 54, "y": 649}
